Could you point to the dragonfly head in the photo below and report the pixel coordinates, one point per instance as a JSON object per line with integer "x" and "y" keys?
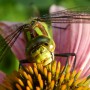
{"x": 40, "y": 50}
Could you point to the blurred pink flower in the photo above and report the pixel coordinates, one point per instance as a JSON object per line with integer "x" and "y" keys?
{"x": 2, "y": 75}
{"x": 74, "y": 39}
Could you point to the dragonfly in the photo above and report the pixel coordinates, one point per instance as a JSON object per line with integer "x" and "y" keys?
{"x": 40, "y": 48}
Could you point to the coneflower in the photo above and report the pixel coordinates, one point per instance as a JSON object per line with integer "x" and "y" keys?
{"x": 50, "y": 77}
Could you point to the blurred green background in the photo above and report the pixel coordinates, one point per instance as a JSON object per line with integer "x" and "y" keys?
{"x": 22, "y": 11}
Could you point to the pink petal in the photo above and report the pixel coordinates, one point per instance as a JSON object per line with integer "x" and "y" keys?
{"x": 74, "y": 39}
{"x": 2, "y": 75}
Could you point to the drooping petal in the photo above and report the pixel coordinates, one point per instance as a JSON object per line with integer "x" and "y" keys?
{"x": 74, "y": 39}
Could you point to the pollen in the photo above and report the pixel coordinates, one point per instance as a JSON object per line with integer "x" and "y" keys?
{"x": 50, "y": 77}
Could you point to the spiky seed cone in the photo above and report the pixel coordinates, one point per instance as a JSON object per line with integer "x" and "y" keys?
{"x": 50, "y": 77}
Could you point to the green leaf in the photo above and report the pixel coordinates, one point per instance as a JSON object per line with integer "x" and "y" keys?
{"x": 9, "y": 62}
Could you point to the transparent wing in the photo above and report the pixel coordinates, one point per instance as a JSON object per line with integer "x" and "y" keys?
{"x": 72, "y": 15}
{"x": 9, "y": 40}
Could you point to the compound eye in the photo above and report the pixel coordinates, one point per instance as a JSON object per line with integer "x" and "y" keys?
{"x": 46, "y": 44}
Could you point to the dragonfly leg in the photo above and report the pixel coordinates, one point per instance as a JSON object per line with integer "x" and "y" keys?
{"x": 67, "y": 55}
{"x": 23, "y": 62}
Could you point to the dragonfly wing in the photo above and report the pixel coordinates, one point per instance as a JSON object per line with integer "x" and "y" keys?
{"x": 9, "y": 40}
{"x": 72, "y": 15}
{"x": 3, "y": 48}
{"x": 6, "y": 28}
